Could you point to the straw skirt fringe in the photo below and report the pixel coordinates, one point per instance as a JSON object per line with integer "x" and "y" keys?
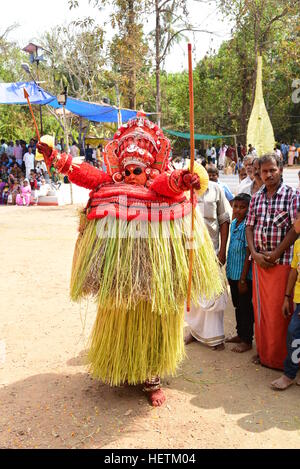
{"x": 138, "y": 275}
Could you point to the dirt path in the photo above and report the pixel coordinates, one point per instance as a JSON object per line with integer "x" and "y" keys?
{"x": 47, "y": 399}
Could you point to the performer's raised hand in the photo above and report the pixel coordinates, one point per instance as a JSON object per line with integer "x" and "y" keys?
{"x": 44, "y": 149}
{"x": 190, "y": 181}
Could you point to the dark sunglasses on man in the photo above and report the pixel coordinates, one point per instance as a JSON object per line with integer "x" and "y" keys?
{"x": 136, "y": 171}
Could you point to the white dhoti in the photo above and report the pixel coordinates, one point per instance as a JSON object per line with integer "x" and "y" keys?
{"x": 206, "y": 321}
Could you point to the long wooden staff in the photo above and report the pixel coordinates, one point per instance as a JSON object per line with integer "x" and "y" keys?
{"x": 192, "y": 156}
{"x": 26, "y": 95}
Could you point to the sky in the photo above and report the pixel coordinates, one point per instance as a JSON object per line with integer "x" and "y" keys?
{"x": 34, "y": 17}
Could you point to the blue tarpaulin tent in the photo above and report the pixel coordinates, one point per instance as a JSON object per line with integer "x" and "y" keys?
{"x": 95, "y": 112}
{"x": 13, "y": 93}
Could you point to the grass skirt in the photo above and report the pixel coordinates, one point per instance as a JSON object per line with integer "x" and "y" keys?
{"x": 138, "y": 274}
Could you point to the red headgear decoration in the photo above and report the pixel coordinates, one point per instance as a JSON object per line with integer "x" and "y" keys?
{"x": 139, "y": 142}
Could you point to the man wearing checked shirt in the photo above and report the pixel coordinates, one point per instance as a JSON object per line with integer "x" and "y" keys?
{"x": 270, "y": 236}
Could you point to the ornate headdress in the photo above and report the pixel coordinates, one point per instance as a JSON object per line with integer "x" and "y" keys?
{"x": 139, "y": 142}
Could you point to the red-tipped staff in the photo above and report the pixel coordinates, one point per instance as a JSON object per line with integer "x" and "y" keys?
{"x": 26, "y": 95}
{"x": 192, "y": 156}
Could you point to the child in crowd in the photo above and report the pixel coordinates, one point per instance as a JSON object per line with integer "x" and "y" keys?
{"x": 239, "y": 275}
{"x": 213, "y": 174}
{"x": 292, "y": 361}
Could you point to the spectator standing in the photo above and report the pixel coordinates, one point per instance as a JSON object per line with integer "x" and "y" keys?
{"x": 32, "y": 144}
{"x": 213, "y": 154}
{"x": 241, "y": 152}
{"x": 213, "y": 174}
{"x": 248, "y": 161}
{"x": 257, "y": 183}
{"x": 18, "y": 153}
{"x": 89, "y": 154}
{"x": 3, "y": 147}
{"x": 231, "y": 156}
{"x": 284, "y": 148}
{"x": 291, "y": 155}
{"x": 222, "y": 156}
{"x": 74, "y": 150}
{"x": 291, "y": 363}
{"x": 270, "y": 236}
{"x": 277, "y": 151}
{"x": 10, "y": 150}
{"x": 29, "y": 162}
{"x": 206, "y": 321}
{"x": 208, "y": 154}
{"x": 239, "y": 274}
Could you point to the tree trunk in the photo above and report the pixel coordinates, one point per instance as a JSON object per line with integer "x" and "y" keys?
{"x": 157, "y": 62}
{"x": 132, "y": 72}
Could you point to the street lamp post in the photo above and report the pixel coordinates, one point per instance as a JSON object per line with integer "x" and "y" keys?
{"x": 32, "y": 50}
{"x": 62, "y": 100}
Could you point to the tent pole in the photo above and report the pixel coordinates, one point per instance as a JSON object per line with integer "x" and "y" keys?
{"x": 67, "y": 148}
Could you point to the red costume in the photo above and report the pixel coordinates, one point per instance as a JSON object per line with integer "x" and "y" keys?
{"x": 137, "y": 277}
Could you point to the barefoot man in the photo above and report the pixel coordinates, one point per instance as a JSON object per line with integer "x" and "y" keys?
{"x": 292, "y": 361}
{"x": 270, "y": 235}
{"x": 131, "y": 256}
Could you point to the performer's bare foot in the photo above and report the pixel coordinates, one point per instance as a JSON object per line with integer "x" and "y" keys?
{"x": 282, "y": 383}
{"x": 242, "y": 347}
{"x": 189, "y": 339}
{"x": 157, "y": 398}
{"x": 256, "y": 360}
{"x": 298, "y": 382}
{"x": 233, "y": 340}
{"x": 219, "y": 347}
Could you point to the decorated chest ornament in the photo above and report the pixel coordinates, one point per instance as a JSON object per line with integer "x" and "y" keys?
{"x": 139, "y": 142}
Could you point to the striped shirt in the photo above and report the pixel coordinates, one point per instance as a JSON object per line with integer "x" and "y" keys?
{"x": 273, "y": 218}
{"x": 237, "y": 251}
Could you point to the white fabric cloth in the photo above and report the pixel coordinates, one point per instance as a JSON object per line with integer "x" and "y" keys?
{"x": 245, "y": 182}
{"x": 214, "y": 209}
{"x": 206, "y": 321}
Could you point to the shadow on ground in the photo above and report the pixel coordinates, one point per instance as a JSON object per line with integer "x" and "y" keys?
{"x": 223, "y": 379}
{"x": 67, "y": 411}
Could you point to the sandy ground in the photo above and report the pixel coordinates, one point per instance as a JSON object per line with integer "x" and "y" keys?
{"x": 48, "y": 400}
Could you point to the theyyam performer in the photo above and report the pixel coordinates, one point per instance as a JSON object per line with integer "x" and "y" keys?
{"x": 132, "y": 255}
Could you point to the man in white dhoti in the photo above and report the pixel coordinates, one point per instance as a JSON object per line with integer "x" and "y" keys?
{"x": 206, "y": 322}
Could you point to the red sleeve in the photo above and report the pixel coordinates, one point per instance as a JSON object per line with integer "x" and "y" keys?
{"x": 86, "y": 175}
{"x": 168, "y": 184}
{"x": 82, "y": 174}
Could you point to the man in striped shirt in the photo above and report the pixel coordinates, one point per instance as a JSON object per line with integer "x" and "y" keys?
{"x": 270, "y": 235}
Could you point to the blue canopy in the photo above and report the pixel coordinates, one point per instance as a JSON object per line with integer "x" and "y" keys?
{"x": 95, "y": 112}
{"x": 13, "y": 93}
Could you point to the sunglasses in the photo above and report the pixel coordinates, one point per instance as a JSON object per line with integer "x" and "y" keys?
{"x": 136, "y": 171}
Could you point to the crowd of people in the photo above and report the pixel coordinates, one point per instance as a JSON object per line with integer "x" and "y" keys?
{"x": 225, "y": 156}
{"x": 262, "y": 260}
{"x": 23, "y": 178}
{"x": 262, "y": 266}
